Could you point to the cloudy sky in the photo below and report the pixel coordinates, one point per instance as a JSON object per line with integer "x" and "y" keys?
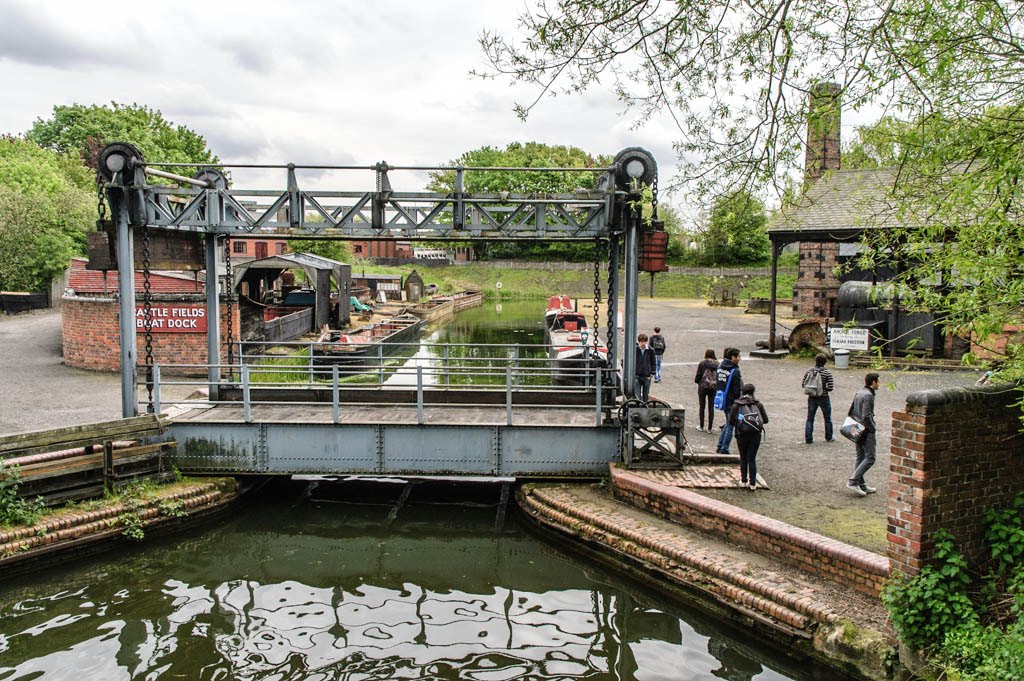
{"x": 304, "y": 82}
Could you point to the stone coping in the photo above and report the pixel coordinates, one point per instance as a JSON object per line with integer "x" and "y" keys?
{"x": 944, "y": 396}
{"x": 803, "y": 548}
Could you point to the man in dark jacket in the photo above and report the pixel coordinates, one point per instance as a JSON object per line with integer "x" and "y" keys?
{"x": 729, "y": 367}
{"x": 863, "y": 409}
{"x": 658, "y": 344}
{"x": 645, "y": 361}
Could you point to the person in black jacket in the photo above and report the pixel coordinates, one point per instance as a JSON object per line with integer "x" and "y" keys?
{"x": 707, "y": 383}
{"x": 748, "y": 417}
{"x": 729, "y": 367}
{"x": 863, "y": 409}
{"x": 645, "y": 361}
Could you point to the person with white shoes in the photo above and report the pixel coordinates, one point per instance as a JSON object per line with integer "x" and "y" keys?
{"x": 658, "y": 345}
{"x": 863, "y": 410}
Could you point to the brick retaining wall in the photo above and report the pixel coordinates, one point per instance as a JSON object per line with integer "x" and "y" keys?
{"x": 814, "y": 553}
{"x": 91, "y": 335}
{"x": 956, "y": 454}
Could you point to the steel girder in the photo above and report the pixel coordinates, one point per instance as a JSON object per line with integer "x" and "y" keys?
{"x": 394, "y": 449}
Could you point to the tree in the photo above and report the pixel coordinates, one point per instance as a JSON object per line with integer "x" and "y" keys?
{"x": 735, "y": 79}
{"x": 528, "y": 155}
{"x": 85, "y": 130}
{"x": 735, "y": 232}
{"x": 879, "y": 145}
{"x": 45, "y": 213}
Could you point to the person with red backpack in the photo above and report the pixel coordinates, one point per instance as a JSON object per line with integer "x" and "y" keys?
{"x": 748, "y": 418}
{"x": 707, "y": 383}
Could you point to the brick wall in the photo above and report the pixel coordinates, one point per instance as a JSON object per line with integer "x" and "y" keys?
{"x": 823, "y": 556}
{"x": 956, "y": 453}
{"x": 816, "y": 289}
{"x": 91, "y": 336}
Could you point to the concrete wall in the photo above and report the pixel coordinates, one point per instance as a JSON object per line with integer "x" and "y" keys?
{"x": 956, "y": 454}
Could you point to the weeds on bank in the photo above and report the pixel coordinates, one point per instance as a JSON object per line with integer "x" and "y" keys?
{"x": 972, "y": 624}
{"x": 15, "y": 510}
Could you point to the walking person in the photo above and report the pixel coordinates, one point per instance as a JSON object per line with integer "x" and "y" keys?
{"x": 707, "y": 383}
{"x": 729, "y": 380}
{"x": 644, "y": 368}
{"x": 658, "y": 345}
{"x": 748, "y": 417}
{"x": 863, "y": 409}
{"x": 817, "y": 386}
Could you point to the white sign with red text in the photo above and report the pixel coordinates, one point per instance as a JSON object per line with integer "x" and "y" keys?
{"x": 172, "y": 319}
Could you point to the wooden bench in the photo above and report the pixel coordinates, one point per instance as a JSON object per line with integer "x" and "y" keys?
{"x": 80, "y": 462}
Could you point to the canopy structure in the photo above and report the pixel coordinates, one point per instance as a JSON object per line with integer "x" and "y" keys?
{"x": 318, "y": 271}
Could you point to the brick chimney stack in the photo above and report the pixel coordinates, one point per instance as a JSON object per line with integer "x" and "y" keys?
{"x": 824, "y": 113}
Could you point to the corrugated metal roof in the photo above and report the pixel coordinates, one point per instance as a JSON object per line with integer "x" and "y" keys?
{"x": 86, "y": 281}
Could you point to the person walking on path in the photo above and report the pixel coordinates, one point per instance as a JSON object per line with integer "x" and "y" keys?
{"x": 707, "y": 383}
{"x": 818, "y": 385}
{"x": 748, "y": 417}
{"x": 729, "y": 380}
{"x": 658, "y": 345}
{"x": 644, "y": 368}
{"x": 863, "y": 409}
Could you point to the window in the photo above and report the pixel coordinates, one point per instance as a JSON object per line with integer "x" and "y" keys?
{"x": 280, "y": 247}
{"x": 239, "y": 246}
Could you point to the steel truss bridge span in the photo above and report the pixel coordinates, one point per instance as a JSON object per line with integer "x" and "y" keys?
{"x": 258, "y": 436}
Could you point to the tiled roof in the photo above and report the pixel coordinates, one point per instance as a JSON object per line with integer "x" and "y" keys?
{"x": 841, "y": 202}
{"x": 86, "y": 281}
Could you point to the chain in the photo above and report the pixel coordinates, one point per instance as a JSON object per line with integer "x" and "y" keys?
{"x": 101, "y": 205}
{"x": 147, "y": 316}
{"x": 654, "y": 199}
{"x": 610, "y": 339}
{"x": 229, "y": 307}
{"x": 597, "y": 293}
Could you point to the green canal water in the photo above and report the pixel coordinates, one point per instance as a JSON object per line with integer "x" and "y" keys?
{"x": 329, "y": 580}
{"x": 349, "y": 580}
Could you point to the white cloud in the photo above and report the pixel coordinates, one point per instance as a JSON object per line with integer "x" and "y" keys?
{"x": 303, "y": 82}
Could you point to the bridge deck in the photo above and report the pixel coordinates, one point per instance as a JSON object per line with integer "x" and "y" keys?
{"x": 390, "y": 440}
{"x": 433, "y": 414}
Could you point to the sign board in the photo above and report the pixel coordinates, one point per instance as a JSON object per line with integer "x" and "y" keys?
{"x": 172, "y": 318}
{"x": 848, "y": 339}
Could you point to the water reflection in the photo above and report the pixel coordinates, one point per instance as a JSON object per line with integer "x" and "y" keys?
{"x": 315, "y": 586}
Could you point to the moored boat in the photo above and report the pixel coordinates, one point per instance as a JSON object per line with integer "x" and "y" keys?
{"x": 570, "y": 346}
{"x": 364, "y": 344}
{"x": 434, "y": 309}
{"x": 466, "y": 299}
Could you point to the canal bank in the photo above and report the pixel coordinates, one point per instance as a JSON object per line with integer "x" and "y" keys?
{"x": 744, "y": 573}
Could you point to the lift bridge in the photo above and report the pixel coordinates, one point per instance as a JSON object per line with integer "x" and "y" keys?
{"x": 461, "y": 410}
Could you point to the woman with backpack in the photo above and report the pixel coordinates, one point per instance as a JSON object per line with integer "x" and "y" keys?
{"x": 748, "y": 417}
{"x": 707, "y": 383}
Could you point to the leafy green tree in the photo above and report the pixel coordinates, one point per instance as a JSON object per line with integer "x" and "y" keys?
{"x": 879, "y": 145}
{"x": 525, "y": 155}
{"x": 45, "y": 213}
{"x": 735, "y": 77}
{"x": 335, "y": 250}
{"x": 735, "y": 232}
{"x": 87, "y": 129}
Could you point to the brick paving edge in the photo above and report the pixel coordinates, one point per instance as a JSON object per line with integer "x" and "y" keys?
{"x": 815, "y": 630}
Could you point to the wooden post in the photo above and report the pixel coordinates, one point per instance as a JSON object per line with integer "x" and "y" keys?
{"x": 774, "y": 296}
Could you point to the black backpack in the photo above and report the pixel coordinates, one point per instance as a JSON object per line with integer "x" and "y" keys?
{"x": 658, "y": 343}
{"x": 748, "y": 419}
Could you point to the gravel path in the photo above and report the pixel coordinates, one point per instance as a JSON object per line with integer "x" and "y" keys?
{"x": 807, "y": 482}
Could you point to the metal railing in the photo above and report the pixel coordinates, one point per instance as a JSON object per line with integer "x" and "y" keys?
{"x": 398, "y": 374}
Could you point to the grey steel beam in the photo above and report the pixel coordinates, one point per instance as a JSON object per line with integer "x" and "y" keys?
{"x": 212, "y": 316}
{"x": 632, "y": 285}
{"x": 394, "y": 449}
{"x": 126, "y": 296}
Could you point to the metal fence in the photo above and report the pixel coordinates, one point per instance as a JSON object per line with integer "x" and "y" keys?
{"x": 400, "y": 374}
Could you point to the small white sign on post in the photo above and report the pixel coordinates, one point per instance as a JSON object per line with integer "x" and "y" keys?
{"x": 848, "y": 339}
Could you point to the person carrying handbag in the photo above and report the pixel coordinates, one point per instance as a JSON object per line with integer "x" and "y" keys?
{"x": 863, "y": 411}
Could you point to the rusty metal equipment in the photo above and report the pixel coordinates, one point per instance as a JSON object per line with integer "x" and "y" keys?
{"x": 652, "y": 433}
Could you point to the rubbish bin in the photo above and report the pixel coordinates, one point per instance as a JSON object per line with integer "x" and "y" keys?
{"x": 842, "y": 359}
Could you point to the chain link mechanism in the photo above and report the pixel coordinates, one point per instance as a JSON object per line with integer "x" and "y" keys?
{"x": 147, "y": 317}
{"x": 229, "y": 285}
{"x": 610, "y": 339}
{"x": 597, "y": 294}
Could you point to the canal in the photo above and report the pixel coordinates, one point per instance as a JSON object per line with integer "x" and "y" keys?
{"x": 362, "y": 580}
